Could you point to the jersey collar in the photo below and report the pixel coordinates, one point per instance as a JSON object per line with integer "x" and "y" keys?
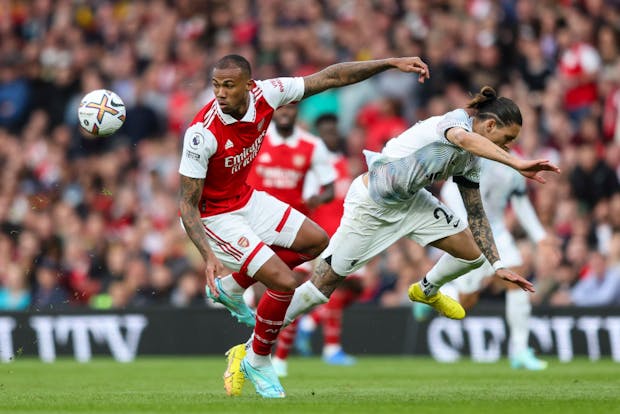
{"x": 276, "y": 139}
{"x": 250, "y": 115}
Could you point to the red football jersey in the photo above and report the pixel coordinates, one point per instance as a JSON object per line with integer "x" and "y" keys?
{"x": 283, "y": 163}
{"x": 221, "y": 149}
{"x": 328, "y": 215}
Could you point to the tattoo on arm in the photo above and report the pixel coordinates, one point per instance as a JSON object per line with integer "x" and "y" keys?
{"x": 191, "y": 191}
{"x": 342, "y": 74}
{"x": 325, "y": 279}
{"x": 478, "y": 223}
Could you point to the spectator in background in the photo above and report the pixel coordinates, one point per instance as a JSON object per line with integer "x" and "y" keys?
{"x": 49, "y": 293}
{"x": 14, "y": 93}
{"x": 579, "y": 66}
{"x": 600, "y": 286}
{"x": 592, "y": 179}
{"x": 382, "y": 120}
{"x": 14, "y": 294}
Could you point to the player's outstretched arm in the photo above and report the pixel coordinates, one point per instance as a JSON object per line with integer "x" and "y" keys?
{"x": 483, "y": 147}
{"x": 347, "y": 73}
{"x": 481, "y": 230}
{"x": 191, "y": 190}
{"x": 532, "y": 168}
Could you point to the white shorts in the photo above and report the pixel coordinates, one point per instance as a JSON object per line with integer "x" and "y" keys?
{"x": 367, "y": 228}
{"x": 508, "y": 252}
{"x": 240, "y": 238}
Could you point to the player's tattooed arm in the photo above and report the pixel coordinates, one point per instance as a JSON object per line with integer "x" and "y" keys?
{"x": 347, "y": 73}
{"x": 191, "y": 190}
{"x": 478, "y": 222}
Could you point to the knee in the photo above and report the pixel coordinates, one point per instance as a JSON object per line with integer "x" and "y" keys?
{"x": 286, "y": 282}
{"x": 320, "y": 243}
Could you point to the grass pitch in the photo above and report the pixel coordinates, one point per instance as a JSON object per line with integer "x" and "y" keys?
{"x": 374, "y": 385}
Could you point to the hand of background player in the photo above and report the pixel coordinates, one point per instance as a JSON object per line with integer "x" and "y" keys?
{"x": 510, "y": 276}
{"x": 532, "y": 168}
{"x": 413, "y": 64}
{"x": 313, "y": 202}
{"x": 213, "y": 268}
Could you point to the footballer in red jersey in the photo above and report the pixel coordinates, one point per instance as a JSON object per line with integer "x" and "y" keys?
{"x": 250, "y": 231}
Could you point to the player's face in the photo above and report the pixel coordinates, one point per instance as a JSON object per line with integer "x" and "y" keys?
{"x": 285, "y": 116}
{"x": 502, "y": 136}
{"x": 328, "y": 130}
{"x": 231, "y": 87}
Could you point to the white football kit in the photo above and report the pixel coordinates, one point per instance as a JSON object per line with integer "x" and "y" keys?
{"x": 395, "y": 204}
{"x": 499, "y": 186}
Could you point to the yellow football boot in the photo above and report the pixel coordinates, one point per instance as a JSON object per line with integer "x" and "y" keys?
{"x": 443, "y": 304}
{"x": 233, "y": 377}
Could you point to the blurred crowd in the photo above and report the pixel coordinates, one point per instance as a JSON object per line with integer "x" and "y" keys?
{"x": 94, "y": 221}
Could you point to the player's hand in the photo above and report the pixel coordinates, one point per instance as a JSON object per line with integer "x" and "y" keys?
{"x": 532, "y": 168}
{"x": 512, "y": 277}
{"x": 313, "y": 202}
{"x": 214, "y": 267}
{"x": 413, "y": 64}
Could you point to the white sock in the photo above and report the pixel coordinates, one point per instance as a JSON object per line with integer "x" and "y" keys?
{"x": 256, "y": 360}
{"x": 306, "y": 297}
{"x": 331, "y": 349}
{"x": 518, "y": 311}
{"x": 307, "y": 324}
{"x": 446, "y": 269}
{"x": 230, "y": 285}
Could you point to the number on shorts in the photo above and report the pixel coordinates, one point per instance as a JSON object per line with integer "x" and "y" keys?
{"x": 448, "y": 217}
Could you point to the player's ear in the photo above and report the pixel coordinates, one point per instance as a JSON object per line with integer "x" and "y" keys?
{"x": 249, "y": 85}
{"x": 490, "y": 124}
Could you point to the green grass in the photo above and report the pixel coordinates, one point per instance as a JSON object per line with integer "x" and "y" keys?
{"x": 374, "y": 385}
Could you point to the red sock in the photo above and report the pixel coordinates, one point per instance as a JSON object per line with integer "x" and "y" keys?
{"x": 285, "y": 340}
{"x": 269, "y": 319}
{"x": 332, "y": 324}
{"x": 318, "y": 314}
{"x": 290, "y": 257}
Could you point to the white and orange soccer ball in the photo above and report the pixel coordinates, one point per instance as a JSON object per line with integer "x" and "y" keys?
{"x": 101, "y": 112}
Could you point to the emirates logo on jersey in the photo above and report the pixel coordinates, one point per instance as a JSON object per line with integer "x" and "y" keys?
{"x": 243, "y": 242}
{"x": 259, "y": 127}
{"x": 299, "y": 161}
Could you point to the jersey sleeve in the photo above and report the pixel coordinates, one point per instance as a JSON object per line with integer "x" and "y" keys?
{"x": 282, "y": 91}
{"x": 198, "y": 146}
{"x": 453, "y": 119}
{"x": 471, "y": 177}
{"x": 322, "y": 166}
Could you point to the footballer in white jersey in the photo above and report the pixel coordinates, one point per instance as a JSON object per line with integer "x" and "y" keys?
{"x": 390, "y": 202}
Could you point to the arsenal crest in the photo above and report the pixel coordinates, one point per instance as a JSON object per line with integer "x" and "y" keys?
{"x": 243, "y": 242}
{"x": 299, "y": 161}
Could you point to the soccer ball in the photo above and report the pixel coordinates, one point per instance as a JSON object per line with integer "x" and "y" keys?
{"x": 101, "y": 112}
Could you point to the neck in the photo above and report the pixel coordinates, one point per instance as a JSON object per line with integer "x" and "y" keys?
{"x": 285, "y": 132}
{"x": 243, "y": 109}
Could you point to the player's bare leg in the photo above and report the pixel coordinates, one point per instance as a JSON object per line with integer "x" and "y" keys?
{"x": 462, "y": 256}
